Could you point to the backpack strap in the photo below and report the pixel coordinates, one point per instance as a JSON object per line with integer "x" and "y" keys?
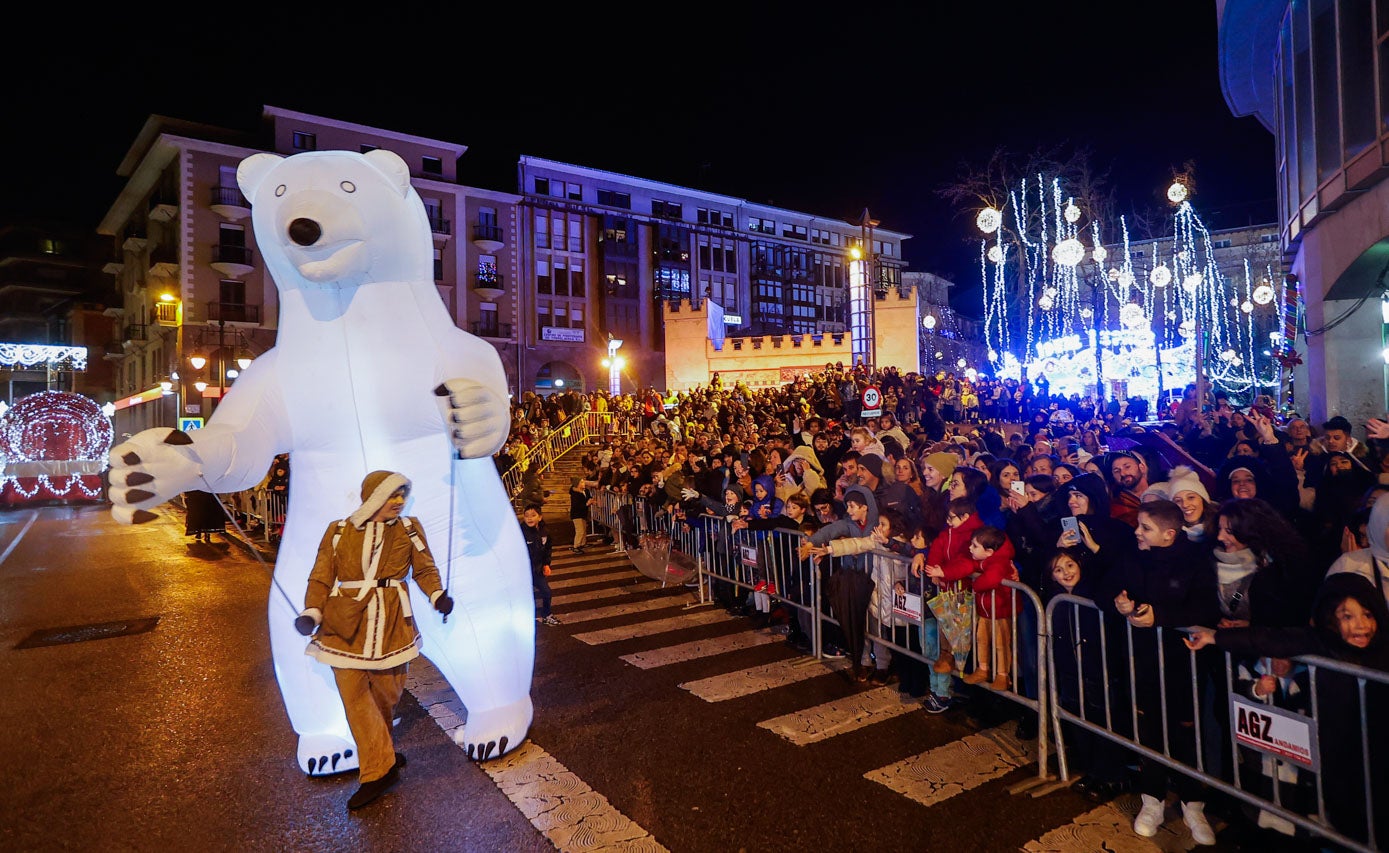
{"x": 342, "y": 525}
{"x": 412, "y": 533}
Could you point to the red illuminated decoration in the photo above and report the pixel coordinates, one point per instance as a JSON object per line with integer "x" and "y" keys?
{"x": 53, "y": 445}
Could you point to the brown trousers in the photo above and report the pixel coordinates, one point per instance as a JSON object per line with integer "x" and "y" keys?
{"x": 369, "y": 696}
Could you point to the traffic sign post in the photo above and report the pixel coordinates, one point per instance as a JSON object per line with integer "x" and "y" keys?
{"x": 190, "y": 424}
{"x": 872, "y": 402}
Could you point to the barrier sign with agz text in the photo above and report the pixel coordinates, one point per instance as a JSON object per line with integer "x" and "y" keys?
{"x": 1282, "y": 734}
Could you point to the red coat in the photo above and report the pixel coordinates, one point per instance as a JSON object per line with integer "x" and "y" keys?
{"x": 950, "y": 550}
{"x": 994, "y": 570}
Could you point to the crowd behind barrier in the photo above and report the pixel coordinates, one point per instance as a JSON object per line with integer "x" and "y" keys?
{"x": 1224, "y": 517}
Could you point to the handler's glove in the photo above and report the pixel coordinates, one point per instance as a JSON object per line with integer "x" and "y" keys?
{"x": 689, "y": 494}
{"x": 444, "y": 604}
{"x": 477, "y": 419}
{"x": 305, "y": 624}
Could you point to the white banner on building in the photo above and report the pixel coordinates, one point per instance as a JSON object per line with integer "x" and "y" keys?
{"x": 556, "y": 333}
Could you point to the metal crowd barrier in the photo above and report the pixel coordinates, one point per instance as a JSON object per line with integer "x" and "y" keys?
{"x": 769, "y": 561}
{"x": 1286, "y": 744}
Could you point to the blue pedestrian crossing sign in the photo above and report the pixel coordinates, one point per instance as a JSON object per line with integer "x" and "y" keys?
{"x": 190, "y": 424}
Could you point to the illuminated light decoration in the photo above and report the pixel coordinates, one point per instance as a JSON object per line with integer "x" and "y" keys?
{"x": 971, "y": 374}
{"x": 929, "y": 321}
{"x": 996, "y": 254}
{"x": 1187, "y": 328}
{"x": 1046, "y": 303}
{"x": 1161, "y": 276}
{"x": 390, "y": 417}
{"x": 1113, "y": 274}
{"x": 1183, "y": 255}
{"x": 1263, "y": 294}
{"x": 24, "y": 356}
{"x": 1171, "y": 315}
{"x": 1127, "y": 278}
{"x": 198, "y": 361}
{"x": 54, "y": 436}
{"x": 1246, "y": 306}
{"x": 1227, "y": 355}
{"x": 1068, "y": 252}
{"x": 1049, "y": 291}
{"x": 988, "y": 220}
{"x": 1191, "y": 282}
{"x": 1099, "y": 254}
{"x": 1275, "y": 337}
{"x": 940, "y": 354}
{"x": 993, "y": 355}
{"x": 109, "y": 410}
{"x": 1072, "y": 213}
{"x": 200, "y": 385}
{"x": 1177, "y": 192}
{"x": 1131, "y": 315}
{"x": 232, "y": 373}
{"x": 961, "y": 363}
{"x": 1086, "y": 313}
{"x": 1234, "y": 301}
{"x": 243, "y": 362}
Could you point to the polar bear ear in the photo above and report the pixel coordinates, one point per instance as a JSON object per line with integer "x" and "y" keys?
{"x": 392, "y": 167}
{"x": 253, "y": 170}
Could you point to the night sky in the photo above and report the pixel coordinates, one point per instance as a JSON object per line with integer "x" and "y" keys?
{"x": 823, "y": 109}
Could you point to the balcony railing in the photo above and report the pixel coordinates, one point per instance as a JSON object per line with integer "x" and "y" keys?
{"x": 488, "y": 232}
{"x": 229, "y": 196}
{"x": 440, "y": 225}
{"x": 232, "y": 312}
{"x": 231, "y": 255}
{"x": 134, "y": 332}
{"x": 489, "y": 281}
{"x": 491, "y": 330}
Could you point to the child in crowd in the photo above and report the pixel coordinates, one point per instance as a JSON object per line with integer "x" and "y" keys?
{"x": 950, "y": 548}
{"x": 991, "y": 554}
{"x": 539, "y": 548}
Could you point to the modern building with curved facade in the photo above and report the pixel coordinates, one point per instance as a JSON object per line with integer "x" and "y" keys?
{"x": 1316, "y": 74}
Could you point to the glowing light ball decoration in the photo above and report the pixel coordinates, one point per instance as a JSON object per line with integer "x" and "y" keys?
{"x": 1099, "y": 253}
{"x": 369, "y": 372}
{"x": 55, "y": 438}
{"x": 995, "y": 254}
{"x": 1177, "y": 192}
{"x": 1161, "y": 276}
{"x": 1131, "y": 315}
{"x": 1072, "y": 213}
{"x": 989, "y": 220}
{"x": 1263, "y": 294}
{"x": 1068, "y": 252}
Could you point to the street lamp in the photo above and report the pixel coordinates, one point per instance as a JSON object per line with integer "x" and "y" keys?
{"x": 862, "y": 283}
{"x": 614, "y": 363}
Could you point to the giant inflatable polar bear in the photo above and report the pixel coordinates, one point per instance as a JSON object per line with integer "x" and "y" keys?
{"x": 368, "y": 373}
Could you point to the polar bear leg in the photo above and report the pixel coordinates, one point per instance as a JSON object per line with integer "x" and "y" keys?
{"x": 311, "y": 698}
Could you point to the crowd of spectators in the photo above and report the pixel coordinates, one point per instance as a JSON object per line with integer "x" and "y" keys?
{"x": 1266, "y": 532}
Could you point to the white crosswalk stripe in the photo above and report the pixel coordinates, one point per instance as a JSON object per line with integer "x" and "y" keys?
{"x": 846, "y": 714}
{"x": 745, "y": 682}
{"x": 584, "y": 581}
{"x": 701, "y": 649}
{"x": 703, "y": 616}
{"x": 941, "y": 773}
{"x": 1110, "y": 827}
{"x": 661, "y": 603}
{"x": 606, "y": 592}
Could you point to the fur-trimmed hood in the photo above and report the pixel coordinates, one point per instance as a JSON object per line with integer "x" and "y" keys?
{"x": 377, "y": 487}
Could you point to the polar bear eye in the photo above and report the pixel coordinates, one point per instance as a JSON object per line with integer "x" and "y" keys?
{"x": 348, "y": 187}
{"x": 280, "y": 190}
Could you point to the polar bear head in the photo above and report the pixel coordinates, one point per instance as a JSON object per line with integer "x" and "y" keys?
{"x": 337, "y": 219}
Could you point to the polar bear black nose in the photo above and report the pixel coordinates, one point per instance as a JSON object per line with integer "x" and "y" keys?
{"x": 305, "y": 232}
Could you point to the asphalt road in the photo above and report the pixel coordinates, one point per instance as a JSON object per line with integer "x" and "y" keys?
{"x": 659, "y": 725}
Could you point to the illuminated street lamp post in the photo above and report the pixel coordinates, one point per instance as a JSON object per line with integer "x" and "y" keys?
{"x": 614, "y": 363}
{"x": 862, "y": 287}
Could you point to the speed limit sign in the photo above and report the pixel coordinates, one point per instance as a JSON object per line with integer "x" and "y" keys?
{"x": 872, "y": 402}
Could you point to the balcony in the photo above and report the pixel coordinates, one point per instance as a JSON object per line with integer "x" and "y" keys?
{"x": 487, "y": 237}
{"x": 489, "y": 285}
{"x": 163, "y": 207}
{"x": 231, "y": 261}
{"x": 115, "y": 264}
{"x": 233, "y": 313}
{"x": 135, "y": 239}
{"x": 492, "y": 330}
{"x": 132, "y": 336}
{"x": 164, "y": 261}
{"x": 440, "y": 227}
{"x": 230, "y": 204}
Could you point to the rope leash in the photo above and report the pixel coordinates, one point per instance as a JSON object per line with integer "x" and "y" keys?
{"x": 244, "y": 535}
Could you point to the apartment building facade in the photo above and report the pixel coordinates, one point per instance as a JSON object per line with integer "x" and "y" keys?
{"x": 547, "y": 274}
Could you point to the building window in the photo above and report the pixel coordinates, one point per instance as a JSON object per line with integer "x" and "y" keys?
{"x": 542, "y": 230}
{"x": 542, "y": 186}
{"x": 667, "y": 209}
{"x": 575, "y": 191}
{"x": 713, "y": 217}
{"x": 671, "y": 283}
{"x": 796, "y": 232}
{"x": 302, "y": 141}
{"x": 576, "y": 278}
{"x": 609, "y": 198}
{"x": 488, "y": 326}
{"x": 438, "y": 264}
{"x": 432, "y": 166}
{"x": 542, "y": 277}
{"x": 762, "y": 226}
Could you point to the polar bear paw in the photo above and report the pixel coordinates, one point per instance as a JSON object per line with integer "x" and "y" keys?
{"x": 477, "y": 419}
{"x": 325, "y": 754}
{"x": 149, "y": 469}
{"x": 495, "y": 732}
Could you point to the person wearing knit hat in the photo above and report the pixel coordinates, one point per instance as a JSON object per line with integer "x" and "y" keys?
{"x": 936, "y": 469}
{"x": 357, "y": 607}
{"x": 1185, "y": 489}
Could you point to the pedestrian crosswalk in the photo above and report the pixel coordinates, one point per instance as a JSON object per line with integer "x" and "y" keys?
{"x": 673, "y": 628}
